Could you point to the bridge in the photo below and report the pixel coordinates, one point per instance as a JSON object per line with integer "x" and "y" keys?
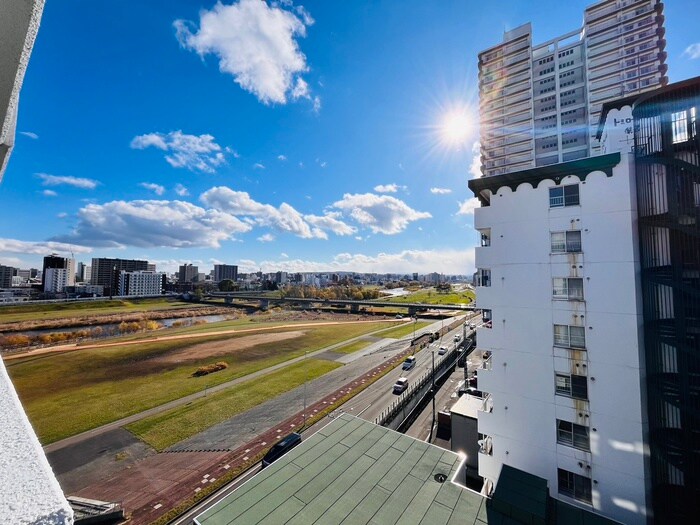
{"x": 354, "y": 305}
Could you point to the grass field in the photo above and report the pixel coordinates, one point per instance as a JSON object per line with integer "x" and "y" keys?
{"x": 168, "y": 428}
{"x": 352, "y": 347}
{"x": 403, "y": 330}
{"x": 68, "y": 393}
{"x": 31, "y": 312}
{"x": 432, "y": 296}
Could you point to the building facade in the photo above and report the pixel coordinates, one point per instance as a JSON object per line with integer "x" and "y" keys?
{"x": 538, "y": 104}
{"x": 558, "y": 280}
{"x": 53, "y": 261}
{"x": 6, "y": 275}
{"x": 188, "y": 273}
{"x": 105, "y": 271}
{"x": 225, "y": 271}
{"x": 141, "y": 283}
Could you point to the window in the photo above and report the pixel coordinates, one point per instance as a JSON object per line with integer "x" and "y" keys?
{"x": 573, "y": 435}
{"x": 574, "y": 485}
{"x": 570, "y": 288}
{"x": 569, "y": 336}
{"x": 679, "y": 126}
{"x": 571, "y": 385}
{"x": 561, "y": 196}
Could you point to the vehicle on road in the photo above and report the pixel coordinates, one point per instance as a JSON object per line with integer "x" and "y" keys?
{"x": 409, "y": 363}
{"x": 280, "y": 448}
{"x": 442, "y": 351}
{"x": 400, "y": 385}
{"x": 472, "y": 326}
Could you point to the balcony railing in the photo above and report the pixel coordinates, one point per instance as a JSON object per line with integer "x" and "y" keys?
{"x": 487, "y": 404}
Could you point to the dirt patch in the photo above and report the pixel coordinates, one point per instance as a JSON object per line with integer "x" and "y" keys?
{"x": 219, "y": 348}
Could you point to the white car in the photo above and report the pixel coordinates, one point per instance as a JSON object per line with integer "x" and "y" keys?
{"x": 442, "y": 351}
{"x": 400, "y": 385}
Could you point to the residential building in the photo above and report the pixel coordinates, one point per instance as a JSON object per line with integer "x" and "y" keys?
{"x": 6, "y": 275}
{"x": 540, "y": 104}
{"x": 105, "y": 271}
{"x": 141, "y": 283}
{"x": 225, "y": 271}
{"x": 56, "y": 262}
{"x": 188, "y": 273}
{"x": 56, "y": 280}
{"x": 84, "y": 273}
{"x": 599, "y": 256}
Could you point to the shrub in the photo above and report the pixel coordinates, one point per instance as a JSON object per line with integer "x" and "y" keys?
{"x": 209, "y": 369}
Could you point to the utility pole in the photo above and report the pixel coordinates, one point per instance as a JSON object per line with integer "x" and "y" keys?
{"x": 305, "y": 378}
{"x": 432, "y": 391}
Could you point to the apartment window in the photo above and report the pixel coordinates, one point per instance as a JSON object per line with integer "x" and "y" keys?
{"x": 574, "y": 485}
{"x": 679, "y": 126}
{"x": 569, "y": 336}
{"x": 570, "y": 288}
{"x": 573, "y": 435}
{"x": 571, "y": 385}
{"x": 561, "y": 196}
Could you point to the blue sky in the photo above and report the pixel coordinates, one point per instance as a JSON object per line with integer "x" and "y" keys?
{"x": 300, "y": 137}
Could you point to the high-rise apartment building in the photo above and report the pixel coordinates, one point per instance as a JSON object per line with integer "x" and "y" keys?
{"x": 53, "y": 261}
{"x": 141, "y": 283}
{"x": 6, "y": 274}
{"x": 105, "y": 271}
{"x": 540, "y": 104}
{"x": 56, "y": 280}
{"x": 188, "y": 273}
{"x": 225, "y": 271}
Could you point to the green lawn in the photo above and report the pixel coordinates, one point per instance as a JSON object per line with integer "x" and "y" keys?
{"x": 432, "y": 296}
{"x": 31, "y": 312}
{"x": 352, "y": 347}
{"x": 168, "y": 428}
{"x": 403, "y": 330}
{"x": 68, "y": 393}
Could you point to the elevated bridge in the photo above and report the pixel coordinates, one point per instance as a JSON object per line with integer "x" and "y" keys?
{"x": 265, "y": 300}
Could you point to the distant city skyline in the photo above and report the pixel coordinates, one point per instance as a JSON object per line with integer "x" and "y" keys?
{"x": 351, "y": 153}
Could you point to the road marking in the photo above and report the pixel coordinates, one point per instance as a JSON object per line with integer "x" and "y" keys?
{"x": 156, "y": 507}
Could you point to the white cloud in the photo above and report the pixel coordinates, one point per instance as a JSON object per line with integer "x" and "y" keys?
{"x": 62, "y": 215}
{"x": 380, "y": 213}
{"x": 386, "y": 188}
{"x": 284, "y": 255}
{"x": 285, "y": 218}
{"x": 49, "y": 193}
{"x": 40, "y": 247}
{"x": 256, "y": 44}
{"x": 475, "y": 166}
{"x": 77, "y": 182}
{"x": 468, "y": 206}
{"x": 153, "y": 223}
{"x": 440, "y": 191}
{"x": 281, "y": 157}
{"x": 692, "y": 51}
{"x": 268, "y": 237}
{"x": 258, "y": 166}
{"x": 194, "y": 152}
{"x": 155, "y": 188}
{"x": 181, "y": 190}
{"x": 407, "y": 261}
{"x": 331, "y": 222}
{"x": 317, "y": 104}
{"x": 29, "y": 134}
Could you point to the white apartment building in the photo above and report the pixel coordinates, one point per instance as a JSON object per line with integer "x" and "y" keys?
{"x": 140, "y": 283}
{"x": 540, "y": 104}
{"x": 558, "y": 279}
{"x": 56, "y": 279}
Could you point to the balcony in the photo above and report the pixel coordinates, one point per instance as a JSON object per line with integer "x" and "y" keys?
{"x": 487, "y": 404}
{"x": 486, "y": 446}
{"x": 600, "y": 13}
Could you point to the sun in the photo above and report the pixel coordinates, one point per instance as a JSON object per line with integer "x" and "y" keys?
{"x": 455, "y": 128}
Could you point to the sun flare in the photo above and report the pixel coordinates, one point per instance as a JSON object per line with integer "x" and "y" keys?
{"x": 455, "y": 128}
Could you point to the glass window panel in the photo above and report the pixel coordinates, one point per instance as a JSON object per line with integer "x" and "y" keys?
{"x": 558, "y": 242}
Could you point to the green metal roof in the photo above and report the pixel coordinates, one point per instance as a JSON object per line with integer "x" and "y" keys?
{"x": 353, "y": 471}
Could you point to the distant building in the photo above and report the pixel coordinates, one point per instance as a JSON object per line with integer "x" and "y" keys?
{"x": 56, "y": 280}
{"x": 151, "y": 267}
{"x": 56, "y": 262}
{"x": 84, "y": 273}
{"x": 188, "y": 273}
{"x": 225, "y": 271}
{"x": 105, "y": 271}
{"x": 141, "y": 283}
{"x": 6, "y": 275}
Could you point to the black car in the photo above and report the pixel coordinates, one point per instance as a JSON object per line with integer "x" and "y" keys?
{"x": 280, "y": 448}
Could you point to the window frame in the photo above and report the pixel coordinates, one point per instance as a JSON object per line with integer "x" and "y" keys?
{"x": 563, "y": 337}
{"x": 574, "y": 486}
{"x": 562, "y": 288}
{"x": 572, "y": 435}
{"x": 569, "y": 196}
{"x": 572, "y": 385}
